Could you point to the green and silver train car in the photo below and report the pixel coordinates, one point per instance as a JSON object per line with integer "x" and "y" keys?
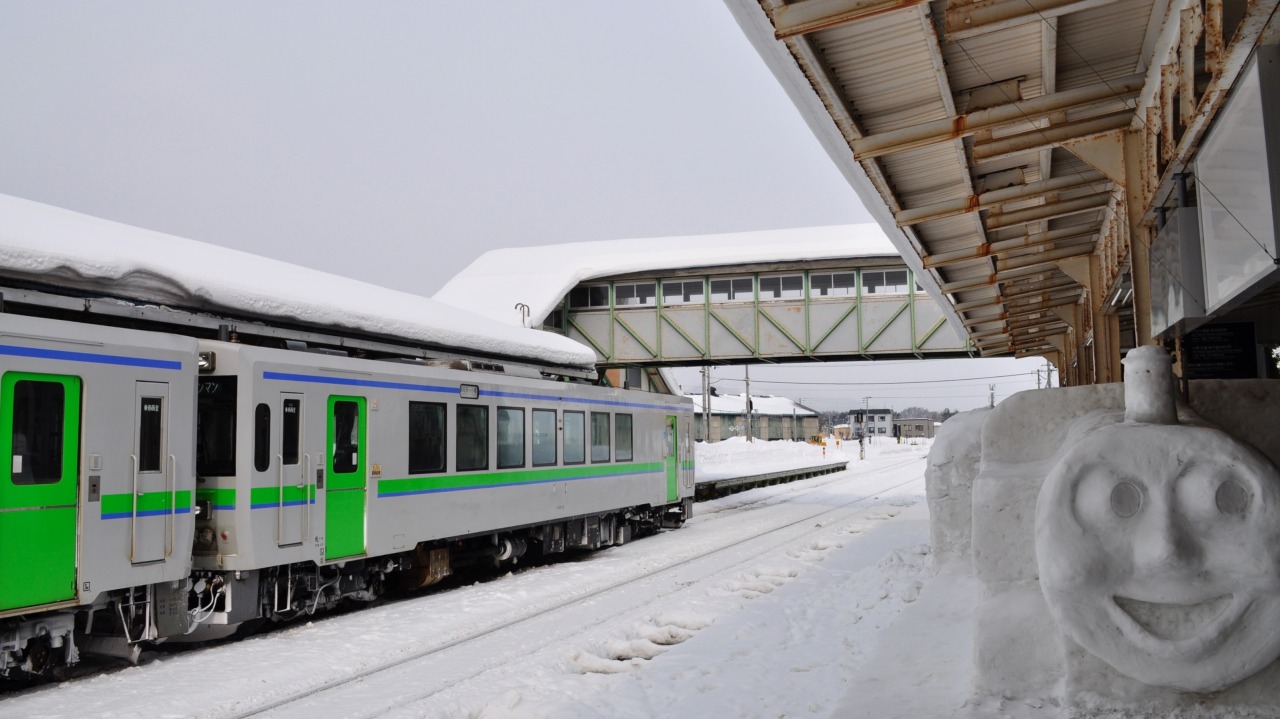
{"x": 325, "y": 477}
{"x": 96, "y": 488}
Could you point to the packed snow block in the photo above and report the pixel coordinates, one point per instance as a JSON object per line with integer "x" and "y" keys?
{"x": 1248, "y": 409}
{"x": 1021, "y": 440}
{"x": 1018, "y": 647}
{"x": 1092, "y": 687}
{"x": 952, "y": 464}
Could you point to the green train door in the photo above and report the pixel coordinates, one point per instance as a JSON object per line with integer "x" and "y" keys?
{"x": 670, "y": 458}
{"x": 344, "y": 500}
{"x": 39, "y": 453}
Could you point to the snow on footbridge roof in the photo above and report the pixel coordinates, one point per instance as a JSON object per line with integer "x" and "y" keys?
{"x": 541, "y": 276}
{"x": 52, "y": 246}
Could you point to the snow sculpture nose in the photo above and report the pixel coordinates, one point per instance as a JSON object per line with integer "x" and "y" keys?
{"x": 1164, "y": 542}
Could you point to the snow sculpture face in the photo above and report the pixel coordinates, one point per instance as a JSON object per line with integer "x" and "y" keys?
{"x": 1159, "y": 552}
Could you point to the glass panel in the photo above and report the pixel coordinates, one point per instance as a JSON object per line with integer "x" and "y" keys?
{"x": 624, "y": 295}
{"x": 510, "y": 437}
{"x": 599, "y": 436}
{"x": 896, "y": 281}
{"x": 872, "y": 283}
{"x": 346, "y": 437}
{"x": 673, "y": 293}
{"x": 599, "y": 295}
{"x": 578, "y": 297}
{"x": 742, "y": 288}
{"x": 693, "y": 291}
{"x": 427, "y": 425}
{"x": 770, "y": 288}
{"x": 844, "y": 283}
{"x": 38, "y": 411}
{"x": 575, "y": 438}
{"x": 819, "y": 285}
{"x": 216, "y": 427}
{"x": 633, "y": 378}
{"x": 150, "y": 428}
{"x": 622, "y": 430}
{"x": 544, "y": 437}
{"x": 473, "y": 437}
{"x": 262, "y": 438}
{"x": 793, "y": 286}
{"x": 645, "y": 293}
{"x": 290, "y": 444}
{"x": 720, "y": 290}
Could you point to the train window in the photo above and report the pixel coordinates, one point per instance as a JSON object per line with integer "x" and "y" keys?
{"x": 599, "y": 436}
{"x": 38, "y": 409}
{"x": 427, "y": 430}
{"x": 622, "y": 433}
{"x": 216, "y": 427}
{"x": 262, "y": 438}
{"x": 575, "y": 438}
{"x": 290, "y": 431}
{"x": 473, "y": 437}
{"x": 150, "y": 434}
{"x": 346, "y": 437}
{"x": 544, "y": 437}
{"x": 510, "y": 437}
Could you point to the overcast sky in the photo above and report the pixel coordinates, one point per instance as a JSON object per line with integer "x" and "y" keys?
{"x": 394, "y": 142}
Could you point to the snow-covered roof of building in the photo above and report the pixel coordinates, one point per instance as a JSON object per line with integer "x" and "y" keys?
{"x": 760, "y": 404}
{"x": 53, "y": 246}
{"x": 540, "y": 276}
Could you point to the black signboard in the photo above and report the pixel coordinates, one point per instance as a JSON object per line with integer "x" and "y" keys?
{"x": 1221, "y": 351}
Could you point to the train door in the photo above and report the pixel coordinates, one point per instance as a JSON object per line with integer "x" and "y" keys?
{"x": 344, "y": 498}
{"x": 151, "y": 480}
{"x": 670, "y": 458}
{"x": 40, "y": 444}
{"x": 292, "y": 472}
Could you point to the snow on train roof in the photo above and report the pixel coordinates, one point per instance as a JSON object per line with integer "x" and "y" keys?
{"x": 55, "y": 246}
{"x": 540, "y": 276}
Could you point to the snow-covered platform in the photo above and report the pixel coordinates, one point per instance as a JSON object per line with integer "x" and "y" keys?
{"x": 711, "y": 488}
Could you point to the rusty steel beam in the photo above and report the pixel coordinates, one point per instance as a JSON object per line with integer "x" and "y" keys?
{"x": 994, "y": 198}
{"x": 1002, "y": 248}
{"x": 1018, "y": 290}
{"x": 993, "y": 278}
{"x": 928, "y": 133}
{"x": 1048, "y": 212}
{"x": 807, "y": 16}
{"x": 1038, "y": 258}
{"x": 965, "y": 20}
{"x": 1052, "y": 136}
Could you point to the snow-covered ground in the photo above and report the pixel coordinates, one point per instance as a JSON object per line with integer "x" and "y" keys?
{"x": 814, "y": 598}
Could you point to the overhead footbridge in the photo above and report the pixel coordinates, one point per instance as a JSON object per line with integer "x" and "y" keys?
{"x": 811, "y": 294}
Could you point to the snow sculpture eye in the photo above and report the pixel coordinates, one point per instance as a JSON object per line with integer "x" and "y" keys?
{"x": 1231, "y": 498}
{"x": 1158, "y": 549}
{"x": 1126, "y": 499}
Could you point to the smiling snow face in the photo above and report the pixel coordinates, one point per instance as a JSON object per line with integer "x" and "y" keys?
{"x": 1159, "y": 552}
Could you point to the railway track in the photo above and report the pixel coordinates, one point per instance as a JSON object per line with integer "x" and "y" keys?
{"x": 433, "y": 669}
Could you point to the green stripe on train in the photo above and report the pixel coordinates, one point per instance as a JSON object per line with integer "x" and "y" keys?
{"x": 147, "y": 503}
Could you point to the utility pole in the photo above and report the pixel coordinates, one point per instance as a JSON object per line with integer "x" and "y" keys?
{"x": 746, "y": 373}
{"x": 991, "y": 402}
{"x": 1037, "y": 378}
{"x": 706, "y": 404}
{"x": 1048, "y": 374}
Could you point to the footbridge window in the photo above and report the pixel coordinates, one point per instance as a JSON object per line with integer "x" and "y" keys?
{"x": 885, "y": 282}
{"x": 676, "y": 292}
{"x": 833, "y": 284}
{"x": 732, "y": 289}
{"x": 782, "y": 287}
{"x": 589, "y": 296}
{"x": 640, "y": 293}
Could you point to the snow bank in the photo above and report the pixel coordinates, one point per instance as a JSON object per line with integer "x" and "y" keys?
{"x": 50, "y": 245}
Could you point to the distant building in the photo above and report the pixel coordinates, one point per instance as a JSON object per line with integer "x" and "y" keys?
{"x": 909, "y": 428}
{"x": 872, "y": 422}
{"x": 842, "y": 431}
{"x": 771, "y": 418}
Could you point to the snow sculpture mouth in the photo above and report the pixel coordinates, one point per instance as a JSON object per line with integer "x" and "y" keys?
{"x": 1173, "y": 622}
